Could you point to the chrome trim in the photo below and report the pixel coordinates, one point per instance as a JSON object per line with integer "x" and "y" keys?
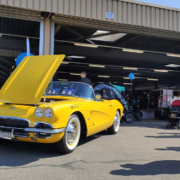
{"x": 21, "y": 136}
{"x": 7, "y": 127}
{"x": 39, "y": 122}
{"x": 54, "y": 131}
{"x": 13, "y": 117}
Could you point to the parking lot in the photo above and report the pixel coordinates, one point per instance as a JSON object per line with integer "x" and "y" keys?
{"x": 141, "y": 150}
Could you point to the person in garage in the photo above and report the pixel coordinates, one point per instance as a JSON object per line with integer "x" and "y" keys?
{"x": 84, "y": 78}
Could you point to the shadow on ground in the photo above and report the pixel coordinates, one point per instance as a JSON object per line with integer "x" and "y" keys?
{"x": 166, "y": 135}
{"x": 152, "y": 168}
{"x": 169, "y": 149}
{"x": 16, "y": 154}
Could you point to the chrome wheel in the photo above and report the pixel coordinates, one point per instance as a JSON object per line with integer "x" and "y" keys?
{"x": 73, "y": 133}
{"x": 116, "y": 121}
{"x": 129, "y": 117}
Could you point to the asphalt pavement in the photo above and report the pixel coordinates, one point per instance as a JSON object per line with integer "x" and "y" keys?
{"x": 141, "y": 150}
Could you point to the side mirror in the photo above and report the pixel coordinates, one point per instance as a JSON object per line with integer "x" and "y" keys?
{"x": 98, "y": 96}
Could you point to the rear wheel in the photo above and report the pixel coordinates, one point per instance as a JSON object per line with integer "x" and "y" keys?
{"x": 129, "y": 117}
{"x": 115, "y": 127}
{"x": 139, "y": 115}
{"x": 71, "y": 136}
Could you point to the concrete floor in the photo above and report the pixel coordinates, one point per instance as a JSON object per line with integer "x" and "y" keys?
{"x": 141, "y": 150}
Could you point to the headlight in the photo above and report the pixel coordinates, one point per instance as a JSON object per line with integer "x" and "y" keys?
{"x": 38, "y": 112}
{"x": 48, "y": 113}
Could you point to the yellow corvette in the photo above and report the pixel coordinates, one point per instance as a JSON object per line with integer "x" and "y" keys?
{"x": 35, "y": 110}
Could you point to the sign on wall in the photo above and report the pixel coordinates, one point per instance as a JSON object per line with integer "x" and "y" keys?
{"x": 109, "y": 15}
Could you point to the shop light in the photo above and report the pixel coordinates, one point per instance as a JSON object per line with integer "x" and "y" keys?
{"x": 62, "y": 79}
{"x": 64, "y": 62}
{"x": 130, "y": 68}
{"x": 160, "y": 70}
{"x": 77, "y": 57}
{"x": 96, "y": 65}
{"x": 86, "y": 45}
{"x": 128, "y": 83}
{"x": 76, "y": 74}
{"x": 125, "y": 77}
{"x": 103, "y": 76}
{"x": 173, "y": 65}
{"x": 132, "y": 50}
{"x": 149, "y": 79}
{"x": 173, "y": 55}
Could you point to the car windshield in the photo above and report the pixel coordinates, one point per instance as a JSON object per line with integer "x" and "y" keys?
{"x": 66, "y": 88}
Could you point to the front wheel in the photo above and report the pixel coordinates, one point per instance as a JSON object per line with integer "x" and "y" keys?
{"x": 71, "y": 136}
{"x": 129, "y": 117}
{"x": 139, "y": 116}
{"x": 115, "y": 127}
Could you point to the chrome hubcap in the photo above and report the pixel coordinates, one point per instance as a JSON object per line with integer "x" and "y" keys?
{"x": 116, "y": 122}
{"x": 71, "y": 133}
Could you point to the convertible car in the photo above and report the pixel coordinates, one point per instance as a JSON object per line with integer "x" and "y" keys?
{"x": 35, "y": 110}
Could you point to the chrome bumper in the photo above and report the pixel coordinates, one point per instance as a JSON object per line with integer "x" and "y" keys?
{"x": 48, "y": 131}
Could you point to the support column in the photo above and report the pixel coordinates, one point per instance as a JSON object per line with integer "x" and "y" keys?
{"x": 41, "y": 36}
{"x": 46, "y": 40}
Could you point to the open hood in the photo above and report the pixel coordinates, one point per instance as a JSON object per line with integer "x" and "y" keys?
{"x": 30, "y": 79}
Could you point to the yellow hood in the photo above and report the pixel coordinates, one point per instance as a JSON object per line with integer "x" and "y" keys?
{"x": 30, "y": 79}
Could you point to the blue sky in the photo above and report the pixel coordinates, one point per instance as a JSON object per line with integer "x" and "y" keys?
{"x": 170, "y": 3}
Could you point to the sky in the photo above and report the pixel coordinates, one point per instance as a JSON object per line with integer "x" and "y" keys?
{"x": 170, "y": 3}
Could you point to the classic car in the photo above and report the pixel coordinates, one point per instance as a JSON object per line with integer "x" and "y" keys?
{"x": 35, "y": 110}
{"x": 109, "y": 92}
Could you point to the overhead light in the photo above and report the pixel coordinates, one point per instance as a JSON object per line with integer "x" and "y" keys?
{"x": 103, "y": 76}
{"x": 160, "y": 70}
{"x": 125, "y": 77}
{"x": 132, "y": 50}
{"x": 109, "y": 38}
{"x": 78, "y": 57}
{"x": 130, "y": 68}
{"x": 173, "y": 65}
{"x": 64, "y": 62}
{"x": 86, "y": 45}
{"x": 63, "y": 79}
{"x": 75, "y": 74}
{"x": 95, "y": 65}
{"x": 149, "y": 79}
{"x": 173, "y": 55}
{"x": 0, "y": 35}
{"x": 128, "y": 83}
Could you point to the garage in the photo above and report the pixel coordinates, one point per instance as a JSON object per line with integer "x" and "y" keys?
{"x": 139, "y": 38}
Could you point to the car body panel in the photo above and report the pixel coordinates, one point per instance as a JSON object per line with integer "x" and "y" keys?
{"x": 29, "y": 80}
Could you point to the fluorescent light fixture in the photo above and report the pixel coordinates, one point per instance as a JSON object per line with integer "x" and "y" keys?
{"x": 149, "y": 79}
{"x": 62, "y": 79}
{"x": 76, "y": 74}
{"x": 173, "y": 65}
{"x": 64, "y": 62}
{"x": 130, "y": 68}
{"x": 173, "y": 55}
{"x": 128, "y": 83}
{"x": 86, "y": 45}
{"x": 160, "y": 70}
{"x": 96, "y": 65}
{"x": 125, "y": 77}
{"x": 132, "y": 50}
{"x": 77, "y": 57}
{"x": 109, "y": 38}
{"x": 103, "y": 76}
{"x": 0, "y": 35}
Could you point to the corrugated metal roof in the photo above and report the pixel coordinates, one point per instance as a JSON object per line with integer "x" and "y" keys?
{"x": 125, "y": 11}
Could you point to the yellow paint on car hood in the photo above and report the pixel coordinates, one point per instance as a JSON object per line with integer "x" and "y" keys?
{"x": 28, "y": 82}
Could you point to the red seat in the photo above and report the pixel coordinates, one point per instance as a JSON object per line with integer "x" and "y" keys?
{"x": 176, "y": 103}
